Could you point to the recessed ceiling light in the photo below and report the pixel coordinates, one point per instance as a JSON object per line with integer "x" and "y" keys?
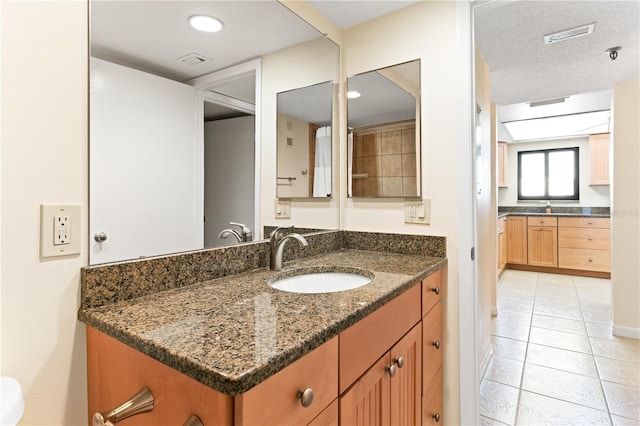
{"x": 205, "y": 23}
{"x": 353, "y": 94}
{"x": 580, "y": 31}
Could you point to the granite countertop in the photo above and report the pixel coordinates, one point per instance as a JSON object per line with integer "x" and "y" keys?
{"x": 555, "y": 211}
{"x": 232, "y": 333}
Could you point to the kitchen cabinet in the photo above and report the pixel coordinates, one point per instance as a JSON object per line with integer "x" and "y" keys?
{"x": 516, "y": 239}
{"x": 116, "y": 371}
{"x": 542, "y": 241}
{"x": 584, "y": 244}
{"x": 599, "y": 147}
{"x": 503, "y": 162}
{"x": 502, "y": 244}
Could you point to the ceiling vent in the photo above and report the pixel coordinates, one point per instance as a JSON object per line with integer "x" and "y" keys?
{"x": 580, "y": 31}
{"x": 193, "y": 59}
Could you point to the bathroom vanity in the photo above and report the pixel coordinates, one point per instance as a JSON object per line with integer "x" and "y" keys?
{"x": 233, "y": 350}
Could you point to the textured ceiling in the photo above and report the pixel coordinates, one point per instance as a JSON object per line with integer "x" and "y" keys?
{"x": 510, "y": 36}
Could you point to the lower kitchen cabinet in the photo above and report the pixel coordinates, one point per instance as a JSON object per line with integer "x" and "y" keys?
{"x": 516, "y": 239}
{"x": 432, "y": 401}
{"x": 542, "y": 241}
{"x": 502, "y": 244}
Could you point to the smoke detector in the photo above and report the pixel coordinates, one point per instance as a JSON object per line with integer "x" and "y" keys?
{"x": 564, "y": 35}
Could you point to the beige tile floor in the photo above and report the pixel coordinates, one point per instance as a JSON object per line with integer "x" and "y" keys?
{"x": 555, "y": 360}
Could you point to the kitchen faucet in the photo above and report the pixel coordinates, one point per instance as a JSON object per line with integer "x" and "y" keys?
{"x": 277, "y": 242}
{"x": 245, "y": 234}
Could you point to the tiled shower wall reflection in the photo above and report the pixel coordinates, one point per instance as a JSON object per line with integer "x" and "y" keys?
{"x": 384, "y": 161}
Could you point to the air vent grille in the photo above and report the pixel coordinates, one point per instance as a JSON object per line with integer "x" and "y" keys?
{"x": 580, "y": 31}
{"x": 193, "y": 59}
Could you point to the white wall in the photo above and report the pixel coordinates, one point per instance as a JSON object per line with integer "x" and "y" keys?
{"x": 298, "y": 66}
{"x": 426, "y": 31}
{"x": 229, "y": 177}
{"x": 590, "y": 196}
{"x": 625, "y": 211}
{"x": 144, "y": 150}
{"x": 44, "y": 160}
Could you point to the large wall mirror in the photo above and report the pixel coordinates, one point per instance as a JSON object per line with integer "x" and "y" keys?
{"x": 305, "y": 141}
{"x": 175, "y": 122}
{"x": 383, "y": 118}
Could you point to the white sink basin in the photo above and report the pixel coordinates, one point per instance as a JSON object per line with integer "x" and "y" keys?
{"x": 320, "y": 282}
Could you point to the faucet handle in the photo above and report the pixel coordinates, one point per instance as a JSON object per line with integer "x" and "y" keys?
{"x": 247, "y": 235}
{"x": 275, "y": 234}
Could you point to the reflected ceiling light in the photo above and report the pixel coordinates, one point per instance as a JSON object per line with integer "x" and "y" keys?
{"x": 205, "y": 23}
{"x": 353, "y": 94}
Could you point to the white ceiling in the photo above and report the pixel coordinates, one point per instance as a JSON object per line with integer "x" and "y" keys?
{"x": 510, "y": 36}
{"x": 153, "y": 35}
{"x": 347, "y": 13}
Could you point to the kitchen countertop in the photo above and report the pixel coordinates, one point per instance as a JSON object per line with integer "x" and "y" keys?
{"x": 504, "y": 214}
{"x": 232, "y": 333}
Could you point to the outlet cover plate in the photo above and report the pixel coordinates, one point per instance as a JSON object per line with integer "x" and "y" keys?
{"x": 417, "y": 211}
{"x": 48, "y": 216}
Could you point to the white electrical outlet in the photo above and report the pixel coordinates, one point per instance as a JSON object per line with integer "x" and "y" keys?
{"x": 59, "y": 230}
{"x": 417, "y": 211}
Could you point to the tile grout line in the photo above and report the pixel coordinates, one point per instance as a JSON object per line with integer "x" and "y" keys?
{"x": 604, "y": 395}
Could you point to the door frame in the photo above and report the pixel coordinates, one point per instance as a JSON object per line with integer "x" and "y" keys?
{"x": 202, "y": 85}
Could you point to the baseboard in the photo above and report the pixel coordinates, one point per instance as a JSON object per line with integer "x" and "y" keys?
{"x": 484, "y": 363}
{"x": 621, "y": 331}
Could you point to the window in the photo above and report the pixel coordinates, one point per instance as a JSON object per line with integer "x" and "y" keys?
{"x": 550, "y": 174}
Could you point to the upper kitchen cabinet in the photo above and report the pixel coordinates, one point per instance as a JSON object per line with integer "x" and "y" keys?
{"x": 503, "y": 171}
{"x": 599, "y": 147}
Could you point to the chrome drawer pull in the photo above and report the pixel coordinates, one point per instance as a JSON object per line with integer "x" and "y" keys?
{"x": 400, "y": 362}
{"x": 193, "y": 421}
{"x": 436, "y": 344}
{"x": 436, "y": 417}
{"x": 139, "y": 403}
{"x": 436, "y": 290}
{"x": 391, "y": 370}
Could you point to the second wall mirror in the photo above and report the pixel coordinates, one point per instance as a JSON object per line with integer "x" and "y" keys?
{"x": 304, "y": 142}
{"x": 383, "y": 144}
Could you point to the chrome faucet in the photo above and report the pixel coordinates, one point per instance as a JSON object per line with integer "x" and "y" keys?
{"x": 245, "y": 234}
{"x": 277, "y": 242}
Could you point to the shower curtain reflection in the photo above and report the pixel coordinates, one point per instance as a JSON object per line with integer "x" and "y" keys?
{"x": 322, "y": 169}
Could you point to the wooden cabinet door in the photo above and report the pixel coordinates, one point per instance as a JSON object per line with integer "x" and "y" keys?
{"x": 517, "y": 239}
{"x": 502, "y": 244}
{"x": 543, "y": 246}
{"x": 502, "y": 155}
{"x": 432, "y": 402}
{"x": 406, "y": 385}
{"x": 599, "y": 159}
{"x": 367, "y": 402}
{"x": 329, "y": 417}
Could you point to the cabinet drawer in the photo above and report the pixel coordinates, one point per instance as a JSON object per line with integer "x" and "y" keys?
{"x": 542, "y": 221}
{"x": 115, "y": 372}
{"x": 431, "y": 344}
{"x": 431, "y": 290}
{"x": 275, "y": 400}
{"x": 584, "y": 238}
{"x": 367, "y": 340}
{"x": 588, "y": 260}
{"x": 585, "y": 222}
{"x": 432, "y": 401}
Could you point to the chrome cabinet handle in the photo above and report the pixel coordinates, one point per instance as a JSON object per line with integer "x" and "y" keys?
{"x": 193, "y": 421}
{"x": 590, "y": 222}
{"x": 100, "y": 237}
{"x": 436, "y": 417}
{"x": 436, "y": 344}
{"x": 391, "y": 370}
{"x": 400, "y": 362}
{"x": 590, "y": 259}
{"x": 305, "y": 397}
{"x": 139, "y": 403}
{"x": 590, "y": 238}
{"x": 436, "y": 290}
